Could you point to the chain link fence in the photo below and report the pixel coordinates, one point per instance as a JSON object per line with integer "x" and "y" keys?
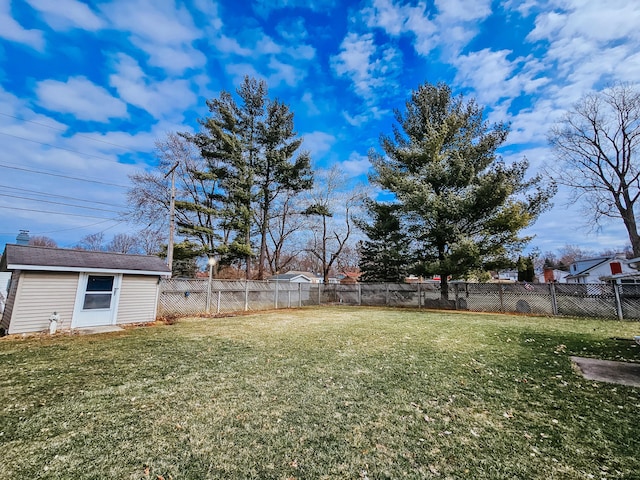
{"x": 188, "y": 297}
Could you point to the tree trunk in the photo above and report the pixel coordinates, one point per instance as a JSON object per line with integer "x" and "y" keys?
{"x": 263, "y": 240}
{"x": 632, "y": 228}
{"x": 444, "y": 281}
{"x": 629, "y": 219}
{"x": 444, "y": 288}
{"x": 325, "y": 267}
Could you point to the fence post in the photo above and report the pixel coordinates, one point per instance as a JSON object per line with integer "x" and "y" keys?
{"x": 246, "y": 295}
{"x": 275, "y": 301}
{"x": 386, "y": 295}
{"x": 299, "y": 294}
{"x": 218, "y": 305}
{"x": 419, "y": 296}
{"x": 320, "y": 293}
{"x": 500, "y": 294}
{"x": 359, "y": 294}
{"x": 554, "y": 301}
{"x": 289, "y": 301}
{"x": 618, "y": 302}
{"x": 455, "y": 290}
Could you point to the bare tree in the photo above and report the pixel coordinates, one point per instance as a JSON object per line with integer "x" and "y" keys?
{"x": 94, "y": 242}
{"x": 284, "y": 243}
{"x": 123, "y": 243}
{"x": 196, "y": 194}
{"x": 596, "y": 143}
{"x": 332, "y": 205}
{"x": 151, "y": 240}
{"x": 42, "y": 241}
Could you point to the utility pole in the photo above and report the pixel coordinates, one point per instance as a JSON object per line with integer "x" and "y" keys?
{"x": 172, "y": 214}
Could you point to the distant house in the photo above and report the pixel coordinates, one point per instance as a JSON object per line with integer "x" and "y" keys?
{"x": 553, "y": 275}
{"x": 600, "y": 269}
{"x": 295, "y": 277}
{"x": 84, "y": 288}
{"x": 350, "y": 278}
{"x": 505, "y": 276}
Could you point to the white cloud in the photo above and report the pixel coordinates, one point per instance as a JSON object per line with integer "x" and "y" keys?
{"x": 493, "y": 76}
{"x": 357, "y": 120}
{"x": 293, "y": 30}
{"x": 285, "y": 73}
{"x": 589, "y": 20}
{"x": 588, "y": 42}
{"x": 356, "y": 165}
{"x": 266, "y": 7}
{"x": 11, "y": 30}
{"x": 159, "y": 98}
{"x": 308, "y": 101}
{"x": 459, "y": 21}
{"x": 209, "y": 9}
{"x": 318, "y": 143}
{"x": 227, "y": 44}
{"x": 386, "y": 15}
{"x": 396, "y": 20}
{"x": 273, "y": 61}
{"x": 80, "y": 97}
{"x": 371, "y": 69}
{"x": 450, "y": 25}
{"x": 64, "y": 14}
{"x": 460, "y": 11}
{"x": 239, "y": 70}
{"x": 165, "y": 32}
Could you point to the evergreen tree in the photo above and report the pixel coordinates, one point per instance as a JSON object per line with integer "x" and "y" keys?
{"x": 250, "y": 147}
{"x": 276, "y": 172}
{"x": 185, "y": 258}
{"x": 384, "y": 257}
{"x": 464, "y": 207}
{"x": 526, "y": 272}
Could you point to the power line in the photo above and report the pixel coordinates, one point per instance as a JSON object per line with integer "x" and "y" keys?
{"x": 59, "y": 203}
{"x": 54, "y": 213}
{"x": 59, "y": 148}
{"x": 59, "y": 196}
{"x": 63, "y": 176}
{"x": 67, "y": 229}
{"x": 74, "y": 228}
{"x": 64, "y": 130}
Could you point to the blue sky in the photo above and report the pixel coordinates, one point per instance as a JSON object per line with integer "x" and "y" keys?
{"x": 86, "y": 88}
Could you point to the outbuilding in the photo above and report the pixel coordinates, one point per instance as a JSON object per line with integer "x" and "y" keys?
{"x": 82, "y": 288}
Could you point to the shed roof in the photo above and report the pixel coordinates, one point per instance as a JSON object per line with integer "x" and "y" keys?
{"x": 23, "y": 257}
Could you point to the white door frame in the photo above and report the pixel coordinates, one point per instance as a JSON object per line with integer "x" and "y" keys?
{"x": 96, "y": 317}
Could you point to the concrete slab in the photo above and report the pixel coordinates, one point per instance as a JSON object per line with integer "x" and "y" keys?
{"x": 102, "y": 329}
{"x": 622, "y": 373}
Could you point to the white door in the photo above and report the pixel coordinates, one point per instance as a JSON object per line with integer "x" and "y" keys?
{"x": 96, "y": 300}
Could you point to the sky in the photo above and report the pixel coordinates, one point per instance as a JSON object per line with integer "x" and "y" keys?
{"x": 87, "y": 88}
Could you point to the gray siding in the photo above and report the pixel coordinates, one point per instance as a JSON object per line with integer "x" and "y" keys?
{"x": 38, "y": 295}
{"x": 138, "y": 299}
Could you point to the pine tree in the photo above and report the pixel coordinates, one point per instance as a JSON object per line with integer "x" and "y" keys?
{"x": 463, "y": 206}
{"x": 251, "y": 148}
{"x": 385, "y": 256}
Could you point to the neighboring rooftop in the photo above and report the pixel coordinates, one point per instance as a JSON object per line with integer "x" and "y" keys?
{"x": 23, "y": 257}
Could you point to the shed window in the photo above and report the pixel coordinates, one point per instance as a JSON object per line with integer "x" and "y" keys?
{"x": 99, "y": 292}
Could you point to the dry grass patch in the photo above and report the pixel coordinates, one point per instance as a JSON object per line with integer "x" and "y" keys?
{"x": 321, "y": 393}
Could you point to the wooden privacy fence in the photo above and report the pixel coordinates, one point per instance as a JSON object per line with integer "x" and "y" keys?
{"x": 184, "y": 297}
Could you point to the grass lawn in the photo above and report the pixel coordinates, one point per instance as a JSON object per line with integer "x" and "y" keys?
{"x": 336, "y": 393}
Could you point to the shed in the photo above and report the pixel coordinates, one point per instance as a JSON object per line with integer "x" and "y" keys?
{"x": 85, "y": 288}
